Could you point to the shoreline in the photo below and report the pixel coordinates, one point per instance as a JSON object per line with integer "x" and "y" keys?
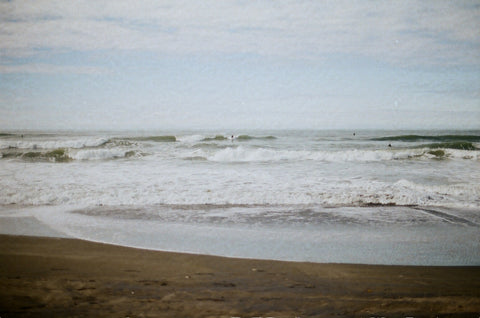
{"x": 48, "y": 277}
{"x": 440, "y": 243}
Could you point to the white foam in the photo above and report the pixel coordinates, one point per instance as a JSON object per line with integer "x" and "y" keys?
{"x": 129, "y": 182}
{"x": 190, "y": 138}
{"x": 245, "y": 154}
{"x": 242, "y": 154}
{"x": 97, "y": 154}
{"x": 462, "y": 154}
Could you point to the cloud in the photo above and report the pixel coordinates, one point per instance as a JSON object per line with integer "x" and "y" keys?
{"x": 408, "y": 32}
{"x": 35, "y": 68}
{"x": 249, "y": 63}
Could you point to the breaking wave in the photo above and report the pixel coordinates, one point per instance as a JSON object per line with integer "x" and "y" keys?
{"x": 358, "y": 193}
{"x": 231, "y": 153}
{"x": 462, "y": 145}
{"x": 68, "y": 155}
{"x": 248, "y": 137}
{"x": 57, "y": 155}
{"x": 216, "y": 138}
{"x": 239, "y": 138}
{"x": 247, "y": 154}
{"x": 75, "y": 143}
{"x": 164, "y": 138}
{"x": 101, "y": 154}
{"x": 439, "y": 138}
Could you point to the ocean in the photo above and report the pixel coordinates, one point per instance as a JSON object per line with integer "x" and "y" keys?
{"x": 376, "y": 197}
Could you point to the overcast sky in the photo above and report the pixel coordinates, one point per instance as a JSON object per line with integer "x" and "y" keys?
{"x": 239, "y": 64}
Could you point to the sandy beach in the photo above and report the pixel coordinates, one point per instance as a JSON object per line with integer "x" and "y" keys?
{"x": 240, "y": 159}
{"x": 59, "y": 277}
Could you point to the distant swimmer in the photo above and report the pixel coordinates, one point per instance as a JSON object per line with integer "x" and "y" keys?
{"x": 354, "y": 134}
{"x": 390, "y": 145}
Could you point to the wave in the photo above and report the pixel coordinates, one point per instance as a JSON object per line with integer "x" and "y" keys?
{"x": 190, "y": 138}
{"x": 242, "y": 154}
{"x": 223, "y": 153}
{"x": 248, "y": 137}
{"x": 239, "y": 138}
{"x": 211, "y": 145}
{"x": 247, "y": 154}
{"x": 102, "y": 154}
{"x": 261, "y": 154}
{"x": 461, "y": 145}
{"x": 216, "y": 138}
{"x": 68, "y": 155}
{"x": 439, "y": 138}
{"x": 57, "y": 155}
{"x": 54, "y": 144}
{"x": 163, "y": 138}
{"x": 356, "y": 193}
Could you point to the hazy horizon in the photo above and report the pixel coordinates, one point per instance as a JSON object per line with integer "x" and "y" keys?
{"x": 236, "y": 131}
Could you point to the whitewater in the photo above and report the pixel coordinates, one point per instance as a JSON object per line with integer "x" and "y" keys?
{"x": 390, "y": 197}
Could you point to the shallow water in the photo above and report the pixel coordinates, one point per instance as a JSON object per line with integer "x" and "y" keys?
{"x": 370, "y": 235}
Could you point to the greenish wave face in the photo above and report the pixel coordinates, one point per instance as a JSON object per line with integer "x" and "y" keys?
{"x": 216, "y": 138}
{"x": 460, "y": 145}
{"x": 440, "y": 138}
{"x": 57, "y": 155}
{"x": 130, "y": 153}
{"x": 239, "y": 138}
{"x": 166, "y": 138}
{"x": 439, "y": 154}
{"x": 247, "y": 137}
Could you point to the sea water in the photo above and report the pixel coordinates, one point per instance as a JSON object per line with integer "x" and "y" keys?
{"x": 384, "y": 197}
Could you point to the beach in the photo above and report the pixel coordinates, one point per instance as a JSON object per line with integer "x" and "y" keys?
{"x": 61, "y": 277}
{"x": 240, "y": 159}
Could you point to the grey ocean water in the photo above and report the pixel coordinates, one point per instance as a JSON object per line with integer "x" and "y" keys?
{"x": 384, "y": 197}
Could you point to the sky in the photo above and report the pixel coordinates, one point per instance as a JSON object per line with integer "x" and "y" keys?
{"x": 147, "y": 64}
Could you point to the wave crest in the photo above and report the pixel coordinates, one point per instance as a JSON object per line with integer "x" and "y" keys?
{"x": 461, "y": 145}
{"x": 57, "y": 155}
{"x": 163, "y": 138}
{"x": 248, "y": 137}
{"x": 216, "y": 138}
{"x": 54, "y": 144}
{"x": 102, "y": 154}
{"x": 440, "y": 138}
{"x": 247, "y": 154}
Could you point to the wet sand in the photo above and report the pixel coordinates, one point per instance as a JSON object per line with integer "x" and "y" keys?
{"x": 59, "y": 277}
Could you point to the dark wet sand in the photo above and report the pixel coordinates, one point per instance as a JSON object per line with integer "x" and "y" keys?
{"x": 53, "y": 277}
